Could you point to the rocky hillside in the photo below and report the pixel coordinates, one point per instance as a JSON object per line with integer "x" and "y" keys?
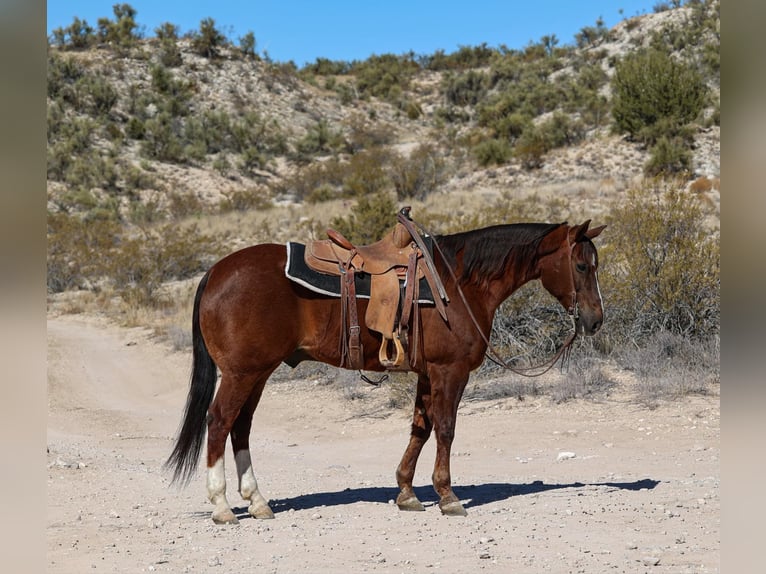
{"x": 162, "y": 123}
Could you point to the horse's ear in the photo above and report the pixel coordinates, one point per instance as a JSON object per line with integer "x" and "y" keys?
{"x": 577, "y": 232}
{"x": 553, "y": 240}
{"x": 595, "y": 231}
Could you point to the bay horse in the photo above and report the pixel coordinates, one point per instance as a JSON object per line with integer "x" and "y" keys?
{"x": 248, "y": 317}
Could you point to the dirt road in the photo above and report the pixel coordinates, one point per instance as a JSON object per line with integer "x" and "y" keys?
{"x": 641, "y": 492}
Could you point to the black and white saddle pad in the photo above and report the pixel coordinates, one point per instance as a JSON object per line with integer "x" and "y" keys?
{"x": 296, "y": 270}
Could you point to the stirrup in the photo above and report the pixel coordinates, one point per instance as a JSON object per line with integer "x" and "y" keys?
{"x": 383, "y": 352}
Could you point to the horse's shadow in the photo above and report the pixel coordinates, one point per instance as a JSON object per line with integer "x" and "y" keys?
{"x": 472, "y": 495}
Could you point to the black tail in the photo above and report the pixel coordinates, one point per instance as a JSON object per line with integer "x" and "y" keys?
{"x": 185, "y": 456}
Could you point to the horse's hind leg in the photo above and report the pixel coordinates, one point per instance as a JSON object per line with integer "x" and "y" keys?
{"x": 240, "y": 442}
{"x": 232, "y": 395}
{"x": 421, "y": 430}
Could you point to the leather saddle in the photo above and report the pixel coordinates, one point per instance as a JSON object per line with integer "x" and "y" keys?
{"x": 401, "y": 255}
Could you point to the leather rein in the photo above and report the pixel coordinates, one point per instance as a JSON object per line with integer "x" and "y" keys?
{"x": 492, "y": 353}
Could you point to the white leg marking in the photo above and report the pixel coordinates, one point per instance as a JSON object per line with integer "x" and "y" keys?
{"x": 216, "y": 493}
{"x": 247, "y": 482}
{"x": 248, "y": 486}
{"x": 216, "y": 482}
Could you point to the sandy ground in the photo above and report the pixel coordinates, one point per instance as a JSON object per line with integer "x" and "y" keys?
{"x": 640, "y": 494}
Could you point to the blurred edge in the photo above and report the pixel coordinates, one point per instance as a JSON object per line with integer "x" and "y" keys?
{"x": 22, "y": 311}
{"x": 744, "y": 270}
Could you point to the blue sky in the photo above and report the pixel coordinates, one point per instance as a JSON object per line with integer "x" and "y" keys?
{"x": 303, "y": 30}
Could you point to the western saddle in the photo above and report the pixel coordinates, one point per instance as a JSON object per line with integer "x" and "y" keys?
{"x": 401, "y": 255}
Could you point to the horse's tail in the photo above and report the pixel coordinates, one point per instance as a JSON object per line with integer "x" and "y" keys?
{"x": 186, "y": 452}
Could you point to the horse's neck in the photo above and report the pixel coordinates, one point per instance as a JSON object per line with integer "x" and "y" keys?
{"x": 486, "y": 300}
{"x": 517, "y": 275}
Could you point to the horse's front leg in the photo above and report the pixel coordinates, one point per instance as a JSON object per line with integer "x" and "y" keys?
{"x": 421, "y": 430}
{"x": 447, "y": 391}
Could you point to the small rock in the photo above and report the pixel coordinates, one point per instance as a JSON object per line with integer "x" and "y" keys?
{"x": 650, "y": 560}
{"x": 565, "y": 455}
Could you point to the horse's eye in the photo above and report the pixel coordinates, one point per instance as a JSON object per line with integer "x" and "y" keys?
{"x": 581, "y": 267}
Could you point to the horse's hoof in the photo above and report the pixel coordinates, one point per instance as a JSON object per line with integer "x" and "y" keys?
{"x": 411, "y": 503}
{"x": 262, "y": 512}
{"x": 453, "y": 508}
{"x": 225, "y": 517}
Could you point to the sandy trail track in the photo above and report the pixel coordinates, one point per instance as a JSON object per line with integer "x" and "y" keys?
{"x": 642, "y": 493}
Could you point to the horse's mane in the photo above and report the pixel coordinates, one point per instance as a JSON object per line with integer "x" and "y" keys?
{"x": 488, "y": 252}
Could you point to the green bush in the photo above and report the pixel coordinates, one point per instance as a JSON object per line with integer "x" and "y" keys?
{"x": 419, "y": 174}
{"x": 79, "y": 34}
{"x": 170, "y": 54}
{"x": 492, "y": 152}
{"x": 385, "y": 76}
{"x": 660, "y": 267}
{"x": 208, "y": 41}
{"x": 370, "y": 219}
{"x": 466, "y": 89}
{"x": 367, "y": 173}
{"x": 122, "y": 32}
{"x": 669, "y": 156}
{"x": 651, "y": 89}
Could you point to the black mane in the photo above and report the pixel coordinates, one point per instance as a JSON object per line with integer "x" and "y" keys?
{"x": 487, "y": 252}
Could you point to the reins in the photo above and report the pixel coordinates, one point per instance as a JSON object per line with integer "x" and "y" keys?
{"x": 491, "y": 353}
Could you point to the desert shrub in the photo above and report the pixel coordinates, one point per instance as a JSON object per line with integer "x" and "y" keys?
{"x": 101, "y": 94}
{"x": 668, "y": 366}
{"x": 319, "y": 139}
{"x": 208, "y": 41}
{"x": 511, "y": 127}
{"x": 70, "y": 140}
{"x": 169, "y": 53}
{"x": 370, "y": 219}
{"x": 137, "y": 266}
{"x": 417, "y": 175}
{"x": 401, "y": 390}
{"x": 364, "y": 134}
{"x": 465, "y": 89}
{"x": 492, "y": 152}
{"x": 660, "y": 267}
{"x": 62, "y": 74}
{"x": 557, "y": 131}
{"x": 651, "y": 89}
{"x": 75, "y": 248}
{"x": 367, "y": 173}
{"x": 385, "y": 76}
{"x": 79, "y": 34}
{"x": 669, "y": 156}
{"x": 465, "y": 58}
{"x": 591, "y": 35}
{"x": 584, "y": 378}
{"x": 451, "y": 114}
{"x": 326, "y": 67}
{"x": 247, "y": 44}
{"x": 161, "y": 139}
{"x": 245, "y": 199}
{"x": 122, "y": 31}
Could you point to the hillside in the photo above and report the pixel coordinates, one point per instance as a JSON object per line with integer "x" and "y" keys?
{"x": 152, "y": 120}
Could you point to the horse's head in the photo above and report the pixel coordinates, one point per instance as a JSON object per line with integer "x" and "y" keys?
{"x": 568, "y": 263}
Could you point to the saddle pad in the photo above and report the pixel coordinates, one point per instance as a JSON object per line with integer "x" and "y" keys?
{"x": 296, "y": 270}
